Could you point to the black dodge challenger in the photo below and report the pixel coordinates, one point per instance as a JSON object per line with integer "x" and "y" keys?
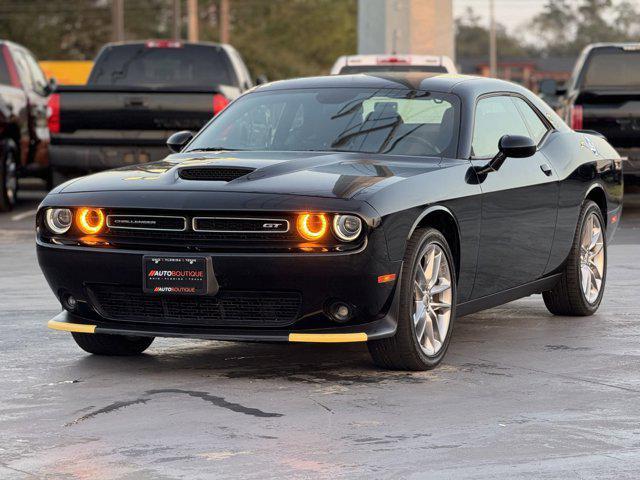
{"x": 363, "y": 208}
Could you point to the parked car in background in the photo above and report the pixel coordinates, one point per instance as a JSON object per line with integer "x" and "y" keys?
{"x": 137, "y": 94}
{"x": 24, "y": 137}
{"x": 603, "y": 95}
{"x": 349, "y": 64}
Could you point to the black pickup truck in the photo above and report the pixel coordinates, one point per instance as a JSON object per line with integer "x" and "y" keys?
{"x": 603, "y": 95}
{"x": 137, "y": 94}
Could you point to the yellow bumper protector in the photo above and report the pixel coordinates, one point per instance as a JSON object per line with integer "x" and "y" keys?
{"x": 328, "y": 337}
{"x": 71, "y": 327}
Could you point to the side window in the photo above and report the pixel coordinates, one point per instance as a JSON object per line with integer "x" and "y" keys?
{"x": 537, "y": 128}
{"x": 495, "y": 117}
{"x": 23, "y": 69}
{"x": 39, "y": 79}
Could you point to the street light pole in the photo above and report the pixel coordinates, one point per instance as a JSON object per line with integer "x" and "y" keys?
{"x": 117, "y": 20}
{"x": 224, "y": 21}
{"x": 177, "y": 20}
{"x": 192, "y": 14}
{"x": 493, "y": 54}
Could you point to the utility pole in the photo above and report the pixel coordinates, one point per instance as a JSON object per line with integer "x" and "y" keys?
{"x": 117, "y": 20}
{"x": 177, "y": 20}
{"x": 224, "y": 21}
{"x": 493, "y": 55}
{"x": 192, "y": 14}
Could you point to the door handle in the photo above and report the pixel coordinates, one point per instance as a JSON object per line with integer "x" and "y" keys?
{"x": 546, "y": 169}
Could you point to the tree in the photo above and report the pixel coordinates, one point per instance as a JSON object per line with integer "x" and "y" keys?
{"x": 472, "y": 38}
{"x": 565, "y": 27}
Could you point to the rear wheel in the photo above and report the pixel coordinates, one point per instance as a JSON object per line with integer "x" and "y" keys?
{"x": 115, "y": 345}
{"x": 579, "y": 291}
{"x": 427, "y": 306}
{"x": 8, "y": 175}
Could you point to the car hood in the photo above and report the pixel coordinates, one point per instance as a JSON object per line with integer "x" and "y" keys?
{"x": 335, "y": 175}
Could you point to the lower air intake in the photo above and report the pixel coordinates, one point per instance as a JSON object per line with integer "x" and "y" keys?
{"x": 227, "y": 309}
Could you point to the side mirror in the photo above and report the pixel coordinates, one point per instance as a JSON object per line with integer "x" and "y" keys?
{"x": 514, "y": 146}
{"x": 517, "y": 146}
{"x": 561, "y": 90}
{"x": 178, "y": 140}
{"x": 52, "y": 86}
{"x": 261, "y": 79}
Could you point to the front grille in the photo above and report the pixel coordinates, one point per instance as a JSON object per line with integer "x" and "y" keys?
{"x": 213, "y": 174}
{"x": 227, "y": 309}
{"x": 240, "y": 225}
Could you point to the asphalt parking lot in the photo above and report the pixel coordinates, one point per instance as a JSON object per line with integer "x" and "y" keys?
{"x": 521, "y": 394}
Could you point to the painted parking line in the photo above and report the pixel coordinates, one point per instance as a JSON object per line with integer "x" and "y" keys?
{"x": 21, "y": 216}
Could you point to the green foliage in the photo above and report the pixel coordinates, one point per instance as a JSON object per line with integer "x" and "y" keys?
{"x": 279, "y": 38}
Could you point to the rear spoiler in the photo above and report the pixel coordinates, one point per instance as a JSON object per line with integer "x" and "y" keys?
{"x": 592, "y": 132}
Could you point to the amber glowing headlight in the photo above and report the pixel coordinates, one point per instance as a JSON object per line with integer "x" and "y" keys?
{"x": 90, "y": 220}
{"x": 58, "y": 220}
{"x": 312, "y": 226}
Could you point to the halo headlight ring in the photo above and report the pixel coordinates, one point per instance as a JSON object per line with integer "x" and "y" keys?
{"x": 58, "y": 220}
{"x": 347, "y": 227}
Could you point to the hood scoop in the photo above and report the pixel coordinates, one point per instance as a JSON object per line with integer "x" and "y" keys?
{"x": 214, "y": 174}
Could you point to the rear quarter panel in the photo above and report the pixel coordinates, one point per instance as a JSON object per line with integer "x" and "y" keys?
{"x": 579, "y": 170}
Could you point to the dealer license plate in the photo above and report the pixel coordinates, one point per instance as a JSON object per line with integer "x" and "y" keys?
{"x": 178, "y": 275}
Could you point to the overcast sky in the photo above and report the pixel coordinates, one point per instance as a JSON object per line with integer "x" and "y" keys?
{"x": 510, "y": 13}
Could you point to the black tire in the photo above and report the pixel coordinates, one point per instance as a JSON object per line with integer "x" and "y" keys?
{"x": 402, "y": 351}
{"x": 113, "y": 345}
{"x": 567, "y": 297}
{"x": 8, "y": 175}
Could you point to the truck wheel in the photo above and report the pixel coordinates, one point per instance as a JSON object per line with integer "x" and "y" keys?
{"x": 427, "y": 306}
{"x": 579, "y": 291}
{"x": 112, "y": 345}
{"x": 8, "y": 175}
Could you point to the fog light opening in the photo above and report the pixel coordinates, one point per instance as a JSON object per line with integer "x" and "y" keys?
{"x": 340, "y": 312}
{"x": 69, "y": 302}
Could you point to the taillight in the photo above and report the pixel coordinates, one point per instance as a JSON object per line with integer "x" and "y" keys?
{"x": 163, "y": 44}
{"x": 219, "y": 103}
{"x": 576, "y": 117}
{"x": 53, "y": 113}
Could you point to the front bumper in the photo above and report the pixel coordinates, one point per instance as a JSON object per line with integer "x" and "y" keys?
{"x": 320, "y": 279}
{"x": 382, "y": 328}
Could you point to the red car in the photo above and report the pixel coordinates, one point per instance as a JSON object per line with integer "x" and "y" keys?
{"x": 24, "y": 133}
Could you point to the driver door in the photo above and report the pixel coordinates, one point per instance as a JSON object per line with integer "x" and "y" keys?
{"x": 519, "y": 201}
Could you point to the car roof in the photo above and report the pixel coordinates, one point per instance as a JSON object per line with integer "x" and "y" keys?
{"x": 435, "y": 82}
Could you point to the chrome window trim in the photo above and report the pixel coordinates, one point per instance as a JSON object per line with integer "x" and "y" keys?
{"x": 266, "y": 220}
{"x": 184, "y": 220}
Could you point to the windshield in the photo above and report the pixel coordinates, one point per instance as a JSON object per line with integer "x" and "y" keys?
{"x": 601, "y": 64}
{"x": 183, "y": 66}
{"x": 400, "y": 122}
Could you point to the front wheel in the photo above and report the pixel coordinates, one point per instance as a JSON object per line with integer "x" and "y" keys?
{"x": 113, "y": 345}
{"x": 427, "y": 306}
{"x": 579, "y": 291}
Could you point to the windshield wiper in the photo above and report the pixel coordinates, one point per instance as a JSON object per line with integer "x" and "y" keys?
{"x": 215, "y": 149}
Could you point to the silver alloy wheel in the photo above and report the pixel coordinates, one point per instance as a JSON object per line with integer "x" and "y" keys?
{"x": 591, "y": 258}
{"x": 432, "y": 300}
{"x": 10, "y": 176}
